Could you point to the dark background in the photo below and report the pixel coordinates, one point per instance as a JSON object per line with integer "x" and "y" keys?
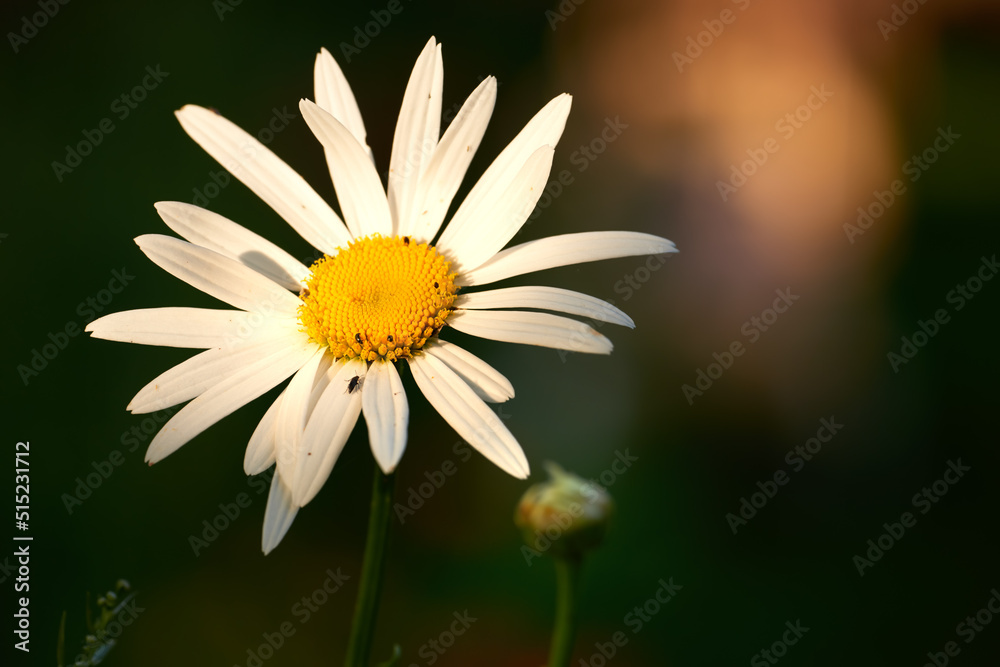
{"x": 826, "y": 357}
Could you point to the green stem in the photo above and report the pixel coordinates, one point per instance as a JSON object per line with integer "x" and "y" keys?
{"x": 372, "y": 570}
{"x": 567, "y": 588}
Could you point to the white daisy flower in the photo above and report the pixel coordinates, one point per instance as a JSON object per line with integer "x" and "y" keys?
{"x": 380, "y": 296}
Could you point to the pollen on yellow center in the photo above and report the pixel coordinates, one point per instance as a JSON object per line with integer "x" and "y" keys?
{"x": 379, "y": 298}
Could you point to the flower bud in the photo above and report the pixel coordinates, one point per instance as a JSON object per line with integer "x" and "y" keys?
{"x": 567, "y": 514}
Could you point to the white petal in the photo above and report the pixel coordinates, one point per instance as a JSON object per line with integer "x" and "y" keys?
{"x": 203, "y": 371}
{"x": 292, "y": 415}
{"x": 359, "y": 190}
{"x": 544, "y": 129}
{"x": 449, "y": 163}
{"x": 171, "y": 327}
{"x": 323, "y": 377}
{"x": 334, "y": 95}
{"x": 218, "y": 275}
{"x": 417, "y": 132}
{"x": 267, "y": 175}
{"x": 564, "y": 250}
{"x": 484, "y": 223}
{"x": 515, "y": 326}
{"x": 387, "y": 414}
{"x": 488, "y": 383}
{"x": 279, "y": 514}
{"x": 325, "y": 435}
{"x": 546, "y": 298}
{"x": 213, "y": 231}
{"x": 468, "y": 415}
{"x": 260, "y": 450}
{"x": 227, "y": 396}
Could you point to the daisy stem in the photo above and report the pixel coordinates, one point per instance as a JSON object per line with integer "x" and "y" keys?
{"x": 372, "y": 570}
{"x": 567, "y": 588}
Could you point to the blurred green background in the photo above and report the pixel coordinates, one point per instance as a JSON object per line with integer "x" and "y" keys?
{"x": 691, "y": 112}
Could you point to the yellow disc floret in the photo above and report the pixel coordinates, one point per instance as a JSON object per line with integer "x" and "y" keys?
{"x": 380, "y": 298}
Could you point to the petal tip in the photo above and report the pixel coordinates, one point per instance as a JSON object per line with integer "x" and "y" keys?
{"x": 388, "y": 468}
{"x": 143, "y": 239}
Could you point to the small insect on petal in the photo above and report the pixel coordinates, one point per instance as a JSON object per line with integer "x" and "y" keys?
{"x": 354, "y": 384}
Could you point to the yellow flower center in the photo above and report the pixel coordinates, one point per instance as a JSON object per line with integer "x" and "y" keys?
{"x": 380, "y": 298}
